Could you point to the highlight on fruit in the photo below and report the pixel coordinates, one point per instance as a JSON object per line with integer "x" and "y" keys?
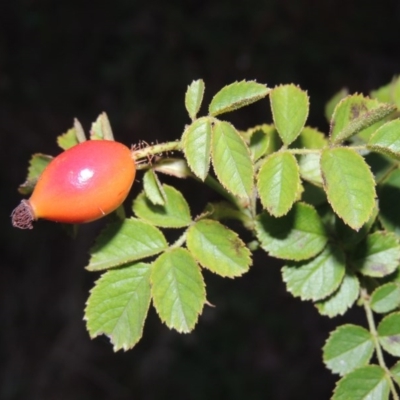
{"x": 82, "y": 184}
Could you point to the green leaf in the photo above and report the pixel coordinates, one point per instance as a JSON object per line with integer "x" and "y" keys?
{"x": 378, "y": 255}
{"x": 68, "y": 139}
{"x": 313, "y": 195}
{"x": 278, "y": 183}
{"x": 197, "y": 146}
{"x": 310, "y": 138}
{"x": 174, "y": 214}
{"x": 386, "y": 139}
{"x": 101, "y": 128}
{"x": 176, "y": 167}
{"x": 194, "y": 97}
{"x": 389, "y": 210}
{"x": 332, "y": 103}
{"x": 118, "y": 304}
{"x": 310, "y": 168}
{"x": 218, "y": 249}
{"x": 349, "y": 185}
{"x": 237, "y": 95}
{"x": 289, "y": 105}
{"x": 153, "y": 188}
{"x": 231, "y": 160}
{"x": 348, "y": 347}
{"x": 354, "y": 115}
{"x": 123, "y": 242}
{"x": 348, "y": 237}
{"x": 317, "y": 278}
{"x": 389, "y": 333}
{"x": 395, "y": 370}
{"x": 259, "y": 143}
{"x": 178, "y": 289}
{"x": 386, "y": 298}
{"x": 299, "y": 235}
{"x": 366, "y": 383}
{"x": 342, "y": 299}
{"x": 37, "y": 164}
{"x": 389, "y": 93}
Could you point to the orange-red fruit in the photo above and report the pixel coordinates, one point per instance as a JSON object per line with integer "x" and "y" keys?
{"x": 82, "y": 184}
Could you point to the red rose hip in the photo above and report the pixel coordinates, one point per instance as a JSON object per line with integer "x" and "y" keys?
{"x": 82, "y": 184}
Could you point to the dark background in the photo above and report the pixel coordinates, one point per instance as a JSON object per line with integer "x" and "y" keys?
{"x": 134, "y": 60}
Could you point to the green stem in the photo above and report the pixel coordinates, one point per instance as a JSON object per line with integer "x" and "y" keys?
{"x": 155, "y": 149}
{"x": 378, "y": 348}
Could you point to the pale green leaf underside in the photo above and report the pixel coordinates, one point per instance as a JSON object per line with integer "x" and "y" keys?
{"x": 174, "y": 214}
{"x": 389, "y": 333}
{"x": 290, "y": 106}
{"x": 237, "y": 95}
{"x": 349, "y": 185}
{"x": 197, "y": 146}
{"x": 310, "y": 168}
{"x": 317, "y": 278}
{"x": 178, "y": 289}
{"x": 342, "y": 299}
{"x": 118, "y": 304}
{"x": 365, "y": 383}
{"x": 153, "y": 188}
{"x": 299, "y": 235}
{"x": 123, "y": 242}
{"x": 348, "y": 347}
{"x": 218, "y": 249}
{"x": 386, "y": 298}
{"x": 378, "y": 255}
{"x": 231, "y": 160}
{"x": 194, "y": 97}
{"x": 258, "y": 142}
{"x": 386, "y": 139}
{"x": 278, "y": 183}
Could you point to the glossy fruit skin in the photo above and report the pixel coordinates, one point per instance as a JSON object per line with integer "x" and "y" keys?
{"x": 84, "y": 183}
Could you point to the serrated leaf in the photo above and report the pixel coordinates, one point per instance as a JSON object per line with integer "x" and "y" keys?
{"x": 332, "y": 103}
{"x": 231, "y": 160}
{"x": 278, "y": 183}
{"x": 365, "y": 383}
{"x": 194, "y": 98}
{"x": 123, "y": 242}
{"x": 317, "y": 278}
{"x": 378, "y": 255}
{"x": 197, "y": 146}
{"x": 389, "y": 93}
{"x": 118, "y": 304}
{"x": 349, "y": 185}
{"x": 237, "y": 95}
{"x": 68, "y": 139}
{"x": 174, "y": 214}
{"x": 386, "y": 139}
{"x": 289, "y": 105}
{"x": 153, "y": 188}
{"x": 348, "y": 347}
{"x": 395, "y": 370}
{"x": 178, "y": 289}
{"x": 389, "y": 210}
{"x": 101, "y": 128}
{"x": 342, "y": 299}
{"x": 299, "y": 235}
{"x": 386, "y": 298}
{"x": 218, "y": 249}
{"x": 258, "y": 143}
{"x": 37, "y": 164}
{"x": 354, "y": 115}
{"x": 310, "y": 168}
{"x": 389, "y": 333}
{"x": 310, "y": 138}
